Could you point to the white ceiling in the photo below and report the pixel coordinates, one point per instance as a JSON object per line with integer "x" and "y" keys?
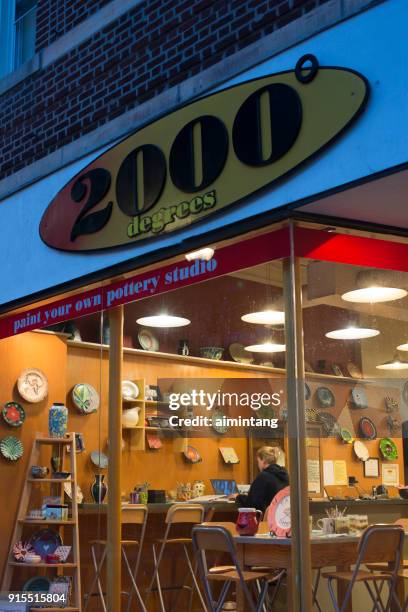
{"x": 382, "y": 201}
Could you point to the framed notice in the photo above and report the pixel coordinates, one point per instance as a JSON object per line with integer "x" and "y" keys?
{"x": 390, "y": 474}
{"x": 313, "y": 475}
{"x": 340, "y": 472}
{"x": 372, "y": 468}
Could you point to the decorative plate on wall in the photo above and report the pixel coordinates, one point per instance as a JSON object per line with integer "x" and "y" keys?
{"x": 330, "y": 424}
{"x": 192, "y": 455}
{"x": 361, "y": 450}
{"x": 85, "y": 398}
{"x": 32, "y": 385}
{"x": 37, "y": 584}
{"x": 99, "y": 459}
{"x": 14, "y": 414}
{"x": 388, "y": 449}
{"x": 218, "y": 422}
{"x": 130, "y": 390}
{"x": 367, "y": 429}
{"x": 11, "y": 448}
{"x": 325, "y": 397}
{"x": 359, "y": 398}
{"x": 346, "y": 436}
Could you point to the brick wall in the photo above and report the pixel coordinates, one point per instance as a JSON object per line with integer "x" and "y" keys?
{"x": 56, "y": 17}
{"x": 152, "y": 47}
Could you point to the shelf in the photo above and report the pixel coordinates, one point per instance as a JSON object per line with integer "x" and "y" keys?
{"x": 156, "y": 403}
{"x": 40, "y": 480}
{"x": 136, "y": 427}
{"x": 54, "y": 440}
{"x": 22, "y": 564}
{"x": 132, "y": 401}
{"x": 28, "y": 521}
{"x": 171, "y": 429}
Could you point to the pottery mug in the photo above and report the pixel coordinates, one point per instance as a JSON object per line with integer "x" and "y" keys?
{"x": 248, "y": 521}
{"x": 38, "y": 471}
{"x": 327, "y": 525}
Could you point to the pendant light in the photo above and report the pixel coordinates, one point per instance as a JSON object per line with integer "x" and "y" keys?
{"x": 266, "y": 347}
{"x": 403, "y": 347}
{"x": 375, "y": 286}
{"x": 394, "y": 364}
{"x": 265, "y": 317}
{"x": 163, "y": 320}
{"x": 352, "y": 333}
{"x": 374, "y": 295}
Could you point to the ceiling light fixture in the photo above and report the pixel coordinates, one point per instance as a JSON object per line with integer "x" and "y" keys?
{"x": 403, "y": 347}
{"x": 163, "y": 320}
{"x": 352, "y": 333}
{"x": 265, "y": 317}
{"x": 395, "y": 364}
{"x": 205, "y": 254}
{"x": 374, "y": 294}
{"x": 266, "y": 347}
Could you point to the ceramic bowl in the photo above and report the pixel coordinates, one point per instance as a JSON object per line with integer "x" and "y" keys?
{"x": 211, "y": 352}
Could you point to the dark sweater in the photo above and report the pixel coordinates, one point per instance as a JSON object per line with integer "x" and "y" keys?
{"x": 264, "y": 488}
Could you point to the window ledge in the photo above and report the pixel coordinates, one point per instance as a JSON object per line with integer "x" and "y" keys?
{"x": 22, "y": 72}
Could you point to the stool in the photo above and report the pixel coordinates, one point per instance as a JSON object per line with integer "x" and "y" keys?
{"x": 187, "y": 514}
{"x": 130, "y": 515}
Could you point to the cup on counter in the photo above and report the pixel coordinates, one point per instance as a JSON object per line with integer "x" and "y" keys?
{"x": 134, "y": 497}
{"x": 327, "y": 525}
{"x": 342, "y": 524}
{"x": 358, "y": 522}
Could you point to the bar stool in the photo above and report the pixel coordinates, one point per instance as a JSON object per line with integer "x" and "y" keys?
{"x": 384, "y": 540}
{"x": 187, "y": 514}
{"x": 131, "y": 515}
{"x": 219, "y": 539}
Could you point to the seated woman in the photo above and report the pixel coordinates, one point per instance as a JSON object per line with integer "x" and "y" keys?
{"x": 271, "y": 479}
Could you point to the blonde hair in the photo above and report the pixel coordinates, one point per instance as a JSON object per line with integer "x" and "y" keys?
{"x": 269, "y": 454}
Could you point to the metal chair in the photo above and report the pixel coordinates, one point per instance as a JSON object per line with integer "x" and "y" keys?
{"x": 384, "y": 541}
{"x": 219, "y": 539}
{"x": 130, "y": 515}
{"x": 186, "y": 514}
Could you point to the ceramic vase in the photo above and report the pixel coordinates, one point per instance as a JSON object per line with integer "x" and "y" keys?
{"x": 98, "y": 489}
{"x": 130, "y": 417}
{"x": 57, "y": 420}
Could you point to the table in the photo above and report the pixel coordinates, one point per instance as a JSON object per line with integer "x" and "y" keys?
{"x": 267, "y": 551}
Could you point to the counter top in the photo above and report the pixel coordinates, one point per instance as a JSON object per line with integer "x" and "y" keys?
{"x": 92, "y": 508}
{"x": 394, "y": 501}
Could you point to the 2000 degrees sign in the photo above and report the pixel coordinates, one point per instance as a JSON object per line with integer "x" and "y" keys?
{"x": 203, "y": 157}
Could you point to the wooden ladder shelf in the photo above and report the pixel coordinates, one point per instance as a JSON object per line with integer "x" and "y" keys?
{"x": 60, "y": 446}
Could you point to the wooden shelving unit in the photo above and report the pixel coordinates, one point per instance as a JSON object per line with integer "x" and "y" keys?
{"x": 135, "y": 436}
{"x": 61, "y": 445}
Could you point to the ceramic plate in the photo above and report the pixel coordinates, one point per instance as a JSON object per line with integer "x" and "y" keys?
{"x": 359, "y": 398}
{"x": 239, "y": 354}
{"x": 325, "y": 397}
{"x": 330, "y": 424}
{"x": 217, "y": 422}
{"x": 129, "y": 390}
{"x": 388, "y": 449}
{"x": 353, "y": 370}
{"x": 13, "y": 414}
{"x": 45, "y": 542}
{"x": 192, "y": 455}
{"x": 346, "y": 436}
{"x": 11, "y": 448}
{"x": 68, "y": 492}
{"x": 85, "y": 398}
{"x": 367, "y": 429}
{"x": 278, "y": 514}
{"x": 361, "y": 450}
{"x": 32, "y": 385}
{"x": 99, "y": 459}
{"x": 37, "y": 584}
{"x": 147, "y": 341}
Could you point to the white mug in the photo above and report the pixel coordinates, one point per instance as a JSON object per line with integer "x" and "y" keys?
{"x": 327, "y": 525}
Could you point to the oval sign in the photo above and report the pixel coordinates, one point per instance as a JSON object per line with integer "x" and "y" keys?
{"x": 203, "y": 157}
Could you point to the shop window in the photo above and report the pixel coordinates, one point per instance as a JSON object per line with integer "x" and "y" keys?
{"x": 17, "y": 29}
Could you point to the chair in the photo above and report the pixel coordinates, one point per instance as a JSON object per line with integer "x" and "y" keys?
{"x": 384, "y": 541}
{"x": 186, "y": 514}
{"x": 383, "y": 567}
{"x": 219, "y": 539}
{"x": 130, "y": 515}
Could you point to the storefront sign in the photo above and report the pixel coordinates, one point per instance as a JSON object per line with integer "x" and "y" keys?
{"x": 203, "y": 157}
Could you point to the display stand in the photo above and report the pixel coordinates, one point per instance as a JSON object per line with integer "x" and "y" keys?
{"x": 65, "y": 447}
